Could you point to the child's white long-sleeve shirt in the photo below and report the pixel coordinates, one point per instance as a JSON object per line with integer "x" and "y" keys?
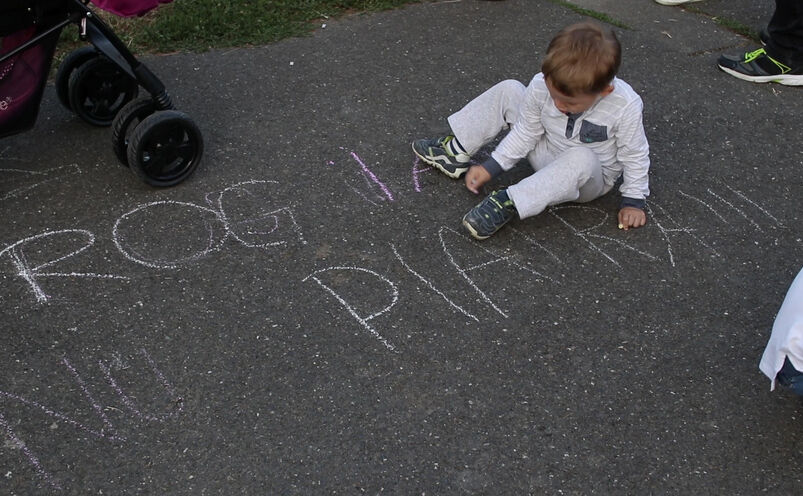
{"x": 612, "y": 128}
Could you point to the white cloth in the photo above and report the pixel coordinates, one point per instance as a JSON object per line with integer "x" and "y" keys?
{"x": 624, "y": 152}
{"x": 574, "y": 175}
{"x": 786, "y": 340}
{"x": 605, "y": 142}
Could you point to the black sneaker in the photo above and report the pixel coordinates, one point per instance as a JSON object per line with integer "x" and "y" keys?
{"x": 436, "y": 152}
{"x": 490, "y": 215}
{"x": 758, "y": 67}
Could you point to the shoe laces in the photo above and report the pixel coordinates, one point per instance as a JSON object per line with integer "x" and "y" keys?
{"x": 761, "y": 52}
{"x": 751, "y": 56}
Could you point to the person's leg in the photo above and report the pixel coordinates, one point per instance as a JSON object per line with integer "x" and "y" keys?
{"x": 484, "y": 117}
{"x": 574, "y": 175}
{"x": 785, "y": 30}
{"x": 472, "y": 126}
{"x": 791, "y": 378}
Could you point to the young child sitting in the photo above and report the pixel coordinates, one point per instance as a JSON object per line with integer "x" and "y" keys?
{"x": 579, "y": 126}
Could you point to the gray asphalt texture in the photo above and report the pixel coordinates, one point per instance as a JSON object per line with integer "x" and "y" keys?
{"x": 305, "y": 315}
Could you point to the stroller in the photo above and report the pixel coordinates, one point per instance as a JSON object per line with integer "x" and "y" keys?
{"x": 99, "y": 83}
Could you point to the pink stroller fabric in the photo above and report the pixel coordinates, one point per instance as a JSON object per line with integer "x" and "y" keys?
{"x": 22, "y": 80}
{"x": 19, "y": 76}
{"x": 129, "y": 8}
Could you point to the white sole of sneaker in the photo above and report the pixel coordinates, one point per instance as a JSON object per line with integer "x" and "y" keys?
{"x": 787, "y": 79}
{"x": 454, "y": 175}
{"x": 675, "y": 2}
{"x": 472, "y": 231}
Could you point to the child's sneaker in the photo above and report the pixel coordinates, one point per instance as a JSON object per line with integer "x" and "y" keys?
{"x": 758, "y": 67}
{"x": 490, "y": 215}
{"x": 438, "y": 153}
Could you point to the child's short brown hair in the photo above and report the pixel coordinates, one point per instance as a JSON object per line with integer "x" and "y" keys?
{"x": 582, "y": 59}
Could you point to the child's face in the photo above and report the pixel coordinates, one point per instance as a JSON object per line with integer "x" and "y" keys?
{"x": 574, "y": 104}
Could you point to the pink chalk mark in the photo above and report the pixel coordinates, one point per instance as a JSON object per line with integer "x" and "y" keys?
{"x": 44, "y": 474}
{"x": 373, "y": 176}
{"x": 95, "y": 405}
{"x": 416, "y": 172}
{"x": 108, "y": 432}
{"x": 129, "y": 403}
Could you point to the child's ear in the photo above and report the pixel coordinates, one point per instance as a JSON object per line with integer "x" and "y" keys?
{"x": 607, "y": 91}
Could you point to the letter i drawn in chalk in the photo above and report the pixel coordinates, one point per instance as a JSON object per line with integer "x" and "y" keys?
{"x": 373, "y": 189}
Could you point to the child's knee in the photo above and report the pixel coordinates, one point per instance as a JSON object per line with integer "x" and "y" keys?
{"x": 583, "y": 157}
{"x": 512, "y": 85}
{"x": 587, "y": 172}
{"x": 511, "y": 89}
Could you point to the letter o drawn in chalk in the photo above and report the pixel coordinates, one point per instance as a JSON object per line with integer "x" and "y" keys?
{"x": 146, "y": 235}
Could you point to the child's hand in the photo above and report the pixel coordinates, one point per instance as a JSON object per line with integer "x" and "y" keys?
{"x": 476, "y": 177}
{"x": 631, "y": 217}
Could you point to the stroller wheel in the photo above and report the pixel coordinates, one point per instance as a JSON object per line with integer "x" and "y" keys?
{"x": 126, "y": 121}
{"x": 98, "y": 89}
{"x": 165, "y": 148}
{"x": 66, "y": 68}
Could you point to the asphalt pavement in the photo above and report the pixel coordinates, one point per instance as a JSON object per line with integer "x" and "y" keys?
{"x": 305, "y": 314}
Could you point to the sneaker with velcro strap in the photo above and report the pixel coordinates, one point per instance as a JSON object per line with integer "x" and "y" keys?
{"x": 496, "y": 210}
{"x": 438, "y": 154}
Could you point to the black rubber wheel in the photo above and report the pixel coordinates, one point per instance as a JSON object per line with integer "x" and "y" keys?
{"x": 128, "y": 118}
{"x": 165, "y": 148}
{"x": 98, "y": 89}
{"x": 66, "y": 68}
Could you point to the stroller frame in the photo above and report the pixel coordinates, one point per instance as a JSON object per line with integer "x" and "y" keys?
{"x": 143, "y": 128}
{"x": 107, "y": 42}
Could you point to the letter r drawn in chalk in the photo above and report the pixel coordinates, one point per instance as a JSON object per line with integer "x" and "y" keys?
{"x": 22, "y": 252}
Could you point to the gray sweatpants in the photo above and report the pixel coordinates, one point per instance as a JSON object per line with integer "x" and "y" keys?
{"x": 572, "y": 175}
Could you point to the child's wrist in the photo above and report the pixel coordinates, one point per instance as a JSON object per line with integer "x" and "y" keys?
{"x": 633, "y": 202}
{"x": 492, "y": 167}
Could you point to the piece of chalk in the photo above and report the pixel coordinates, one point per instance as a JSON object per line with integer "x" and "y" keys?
{"x": 621, "y": 226}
